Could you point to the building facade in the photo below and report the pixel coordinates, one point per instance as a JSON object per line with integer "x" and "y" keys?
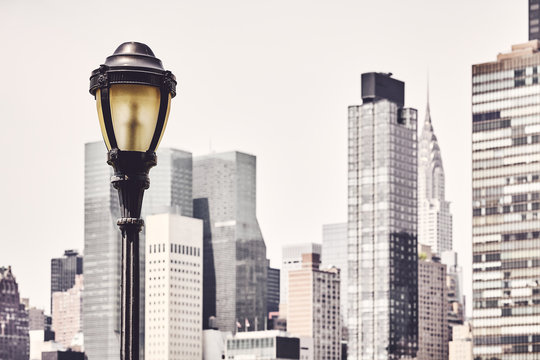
{"x": 432, "y": 307}
{"x": 506, "y": 203}
{"x": 382, "y": 225}
{"x": 334, "y": 254}
{"x": 174, "y": 265}
{"x": 454, "y": 289}
{"x": 291, "y": 259}
{"x": 313, "y": 307}
{"x": 62, "y": 355}
{"x": 170, "y": 189}
{"x": 67, "y": 313}
{"x": 14, "y": 339}
{"x": 461, "y": 346}
{"x": 534, "y": 20}
{"x": 434, "y": 218}
{"x": 272, "y": 290}
{"x": 267, "y": 345}
{"x": 235, "y": 264}
{"x": 64, "y": 270}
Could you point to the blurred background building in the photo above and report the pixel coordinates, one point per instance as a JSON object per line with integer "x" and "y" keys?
{"x": 235, "y": 263}
{"x": 14, "y": 339}
{"x": 67, "y": 314}
{"x": 64, "y": 270}
{"x": 170, "y": 191}
{"x": 291, "y": 259}
{"x": 334, "y": 254}
{"x": 313, "y": 307}
{"x": 432, "y": 307}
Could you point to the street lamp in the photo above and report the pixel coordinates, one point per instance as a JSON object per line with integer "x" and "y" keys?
{"x": 133, "y": 95}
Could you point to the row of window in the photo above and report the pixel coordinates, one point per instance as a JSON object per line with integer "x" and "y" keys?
{"x": 176, "y": 249}
{"x": 506, "y": 74}
{"x": 506, "y": 209}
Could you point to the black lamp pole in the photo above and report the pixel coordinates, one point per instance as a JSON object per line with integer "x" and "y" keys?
{"x": 131, "y": 180}
{"x": 133, "y": 94}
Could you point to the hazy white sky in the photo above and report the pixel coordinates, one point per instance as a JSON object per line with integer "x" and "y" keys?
{"x": 272, "y": 78}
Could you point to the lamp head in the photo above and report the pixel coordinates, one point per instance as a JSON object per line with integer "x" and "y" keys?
{"x": 133, "y": 94}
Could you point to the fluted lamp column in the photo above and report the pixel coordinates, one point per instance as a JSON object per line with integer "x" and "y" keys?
{"x": 133, "y": 94}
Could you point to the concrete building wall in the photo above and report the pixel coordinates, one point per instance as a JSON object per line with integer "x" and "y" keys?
{"x": 67, "y": 313}
{"x": 461, "y": 346}
{"x": 173, "y": 288}
{"x": 313, "y": 306}
{"x": 432, "y": 307}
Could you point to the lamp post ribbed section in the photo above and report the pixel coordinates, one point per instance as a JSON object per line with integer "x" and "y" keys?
{"x": 131, "y": 179}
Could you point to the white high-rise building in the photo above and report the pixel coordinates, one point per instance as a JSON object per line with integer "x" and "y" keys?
{"x": 291, "y": 259}
{"x": 173, "y": 302}
{"x": 434, "y": 218}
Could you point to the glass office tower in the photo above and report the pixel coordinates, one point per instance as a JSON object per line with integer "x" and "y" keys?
{"x": 506, "y": 204}
{"x": 383, "y": 273}
{"x": 235, "y": 264}
{"x": 170, "y": 191}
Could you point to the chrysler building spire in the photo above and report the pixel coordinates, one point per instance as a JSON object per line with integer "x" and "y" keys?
{"x": 435, "y": 221}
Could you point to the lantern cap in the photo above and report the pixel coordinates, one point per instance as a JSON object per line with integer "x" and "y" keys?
{"x": 134, "y": 54}
{"x": 132, "y": 63}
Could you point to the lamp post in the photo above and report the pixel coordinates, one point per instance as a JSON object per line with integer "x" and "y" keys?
{"x": 133, "y": 95}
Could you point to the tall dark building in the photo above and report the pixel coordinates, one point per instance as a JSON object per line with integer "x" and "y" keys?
{"x": 62, "y": 355}
{"x": 235, "y": 264}
{"x": 382, "y": 228}
{"x": 272, "y": 302}
{"x": 534, "y": 19}
{"x": 63, "y": 271}
{"x": 14, "y": 339}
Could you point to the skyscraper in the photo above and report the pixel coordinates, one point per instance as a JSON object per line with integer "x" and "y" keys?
{"x": 434, "y": 219}
{"x": 534, "y": 20}
{"x": 313, "y": 307}
{"x": 174, "y": 264}
{"x": 461, "y": 346}
{"x": 64, "y": 270}
{"x": 454, "y": 284}
{"x": 334, "y": 254}
{"x": 14, "y": 340}
{"x": 273, "y": 290}
{"x": 382, "y": 253}
{"x": 67, "y": 313}
{"x": 506, "y": 204}
{"x": 291, "y": 259}
{"x": 170, "y": 190}
{"x": 235, "y": 264}
{"x": 432, "y": 307}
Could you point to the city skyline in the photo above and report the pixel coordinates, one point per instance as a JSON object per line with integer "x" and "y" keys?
{"x": 332, "y": 70}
